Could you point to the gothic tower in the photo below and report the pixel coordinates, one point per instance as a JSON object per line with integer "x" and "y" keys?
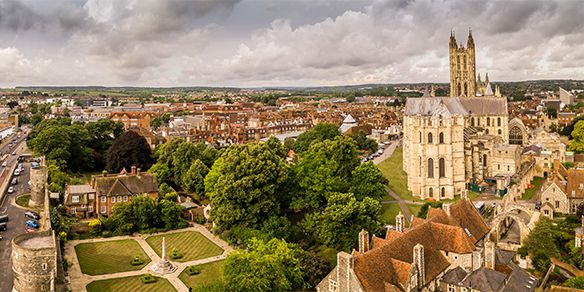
{"x": 462, "y": 67}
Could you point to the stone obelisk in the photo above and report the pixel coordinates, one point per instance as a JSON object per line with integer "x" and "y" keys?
{"x": 163, "y": 266}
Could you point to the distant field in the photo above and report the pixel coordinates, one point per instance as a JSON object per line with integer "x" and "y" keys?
{"x": 193, "y": 245}
{"x": 211, "y": 273}
{"x": 109, "y": 257}
{"x": 129, "y": 284}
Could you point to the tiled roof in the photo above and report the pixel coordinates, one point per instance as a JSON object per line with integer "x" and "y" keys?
{"x": 124, "y": 184}
{"x": 454, "y": 276}
{"x": 575, "y": 183}
{"x": 485, "y": 280}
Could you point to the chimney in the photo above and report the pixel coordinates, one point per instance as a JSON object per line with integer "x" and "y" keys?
{"x": 104, "y": 173}
{"x": 446, "y": 208}
{"x": 345, "y": 264}
{"x": 464, "y": 195}
{"x": 399, "y": 222}
{"x": 363, "y": 241}
{"x": 419, "y": 264}
{"x": 138, "y": 171}
{"x": 133, "y": 170}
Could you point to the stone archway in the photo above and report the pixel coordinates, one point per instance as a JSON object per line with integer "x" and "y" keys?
{"x": 523, "y": 227}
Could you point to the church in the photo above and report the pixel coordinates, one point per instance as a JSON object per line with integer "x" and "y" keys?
{"x": 458, "y": 139}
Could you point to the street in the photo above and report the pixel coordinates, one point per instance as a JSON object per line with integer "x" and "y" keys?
{"x": 17, "y": 219}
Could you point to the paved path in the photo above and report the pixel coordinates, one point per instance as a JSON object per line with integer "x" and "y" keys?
{"x": 402, "y": 203}
{"x": 79, "y": 280}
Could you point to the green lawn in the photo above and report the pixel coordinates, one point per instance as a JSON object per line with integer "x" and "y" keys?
{"x": 529, "y": 193}
{"x": 392, "y": 169}
{"x": 388, "y": 212}
{"x": 191, "y": 244}
{"x": 23, "y": 200}
{"x": 129, "y": 284}
{"x": 211, "y": 273}
{"x": 108, "y": 257}
{"x": 415, "y": 209}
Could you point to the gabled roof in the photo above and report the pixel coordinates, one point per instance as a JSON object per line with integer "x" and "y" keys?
{"x": 435, "y": 106}
{"x": 485, "y": 280}
{"x": 127, "y": 184}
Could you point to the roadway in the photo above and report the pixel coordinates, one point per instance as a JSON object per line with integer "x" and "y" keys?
{"x": 17, "y": 219}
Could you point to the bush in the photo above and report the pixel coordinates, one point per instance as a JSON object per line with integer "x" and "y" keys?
{"x": 192, "y": 270}
{"x": 200, "y": 219}
{"x": 175, "y": 254}
{"x": 106, "y": 234}
{"x": 147, "y": 279}
{"x": 137, "y": 261}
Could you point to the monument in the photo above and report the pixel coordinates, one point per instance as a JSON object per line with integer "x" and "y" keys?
{"x": 163, "y": 266}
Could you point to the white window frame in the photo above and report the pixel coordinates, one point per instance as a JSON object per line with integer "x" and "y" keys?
{"x": 103, "y": 199}
{"x": 119, "y": 199}
{"x": 91, "y": 196}
{"x": 333, "y": 285}
{"x": 125, "y": 198}
{"x": 113, "y": 199}
{"x": 73, "y": 210}
{"x": 103, "y": 209}
{"x": 74, "y": 199}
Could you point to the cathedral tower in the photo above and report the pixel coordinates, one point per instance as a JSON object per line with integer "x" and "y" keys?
{"x": 462, "y": 67}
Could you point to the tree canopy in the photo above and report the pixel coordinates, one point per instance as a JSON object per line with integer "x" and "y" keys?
{"x": 319, "y": 133}
{"x": 577, "y": 143}
{"x": 130, "y": 149}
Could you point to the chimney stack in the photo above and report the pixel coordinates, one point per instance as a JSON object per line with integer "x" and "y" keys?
{"x": 399, "y": 222}
{"x": 363, "y": 241}
{"x": 104, "y": 173}
{"x": 464, "y": 195}
{"x": 345, "y": 264}
{"x": 133, "y": 170}
{"x": 582, "y": 221}
{"x": 446, "y": 208}
{"x": 420, "y": 265}
{"x": 138, "y": 171}
{"x": 489, "y": 254}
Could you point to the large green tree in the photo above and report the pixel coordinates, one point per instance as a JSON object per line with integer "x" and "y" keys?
{"x": 320, "y": 132}
{"x": 340, "y": 222}
{"x": 577, "y": 143}
{"x": 266, "y": 266}
{"x": 130, "y": 149}
{"x": 541, "y": 245}
{"x": 368, "y": 181}
{"x": 194, "y": 179}
{"x": 244, "y": 185}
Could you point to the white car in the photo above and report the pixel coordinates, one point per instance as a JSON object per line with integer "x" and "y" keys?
{"x": 11, "y": 190}
{"x": 4, "y": 164}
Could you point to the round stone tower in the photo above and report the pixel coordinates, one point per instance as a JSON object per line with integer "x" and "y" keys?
{"x": 38, "y": 179}
{"x": 34, "y": 262}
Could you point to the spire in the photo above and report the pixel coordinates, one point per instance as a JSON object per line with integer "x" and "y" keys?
{"x": 479, "y": 80}
{"x": 452, "y": 40}
{"x": 487, "y": 77}
{"x": 497, "y": 91}
{"x": 432, "y": 91}
{"x": 470, "y": 41}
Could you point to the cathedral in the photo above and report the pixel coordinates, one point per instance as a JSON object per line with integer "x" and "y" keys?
{"x": 463, "y": 138}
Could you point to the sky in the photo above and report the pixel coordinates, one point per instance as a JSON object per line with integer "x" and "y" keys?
{"x": 251, "y": 43}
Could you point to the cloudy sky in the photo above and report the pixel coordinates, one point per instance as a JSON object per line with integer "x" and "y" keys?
{"x": 281, "y": 42}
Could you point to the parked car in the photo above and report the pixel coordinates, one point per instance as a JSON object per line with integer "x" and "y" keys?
{"x": 17, "y": 172}
{"x": 4, "y": 164}
{"x": 11, "y": 190}
{"x": 3, "y": 218}
{"x": 32, "y": 215}
{"x": 14, "y": 181}
{"x": 29, "y": 230}
{"x": 32, "y": 224}
{"x": 3, "y": 226}
{"x": 0, "y": 237}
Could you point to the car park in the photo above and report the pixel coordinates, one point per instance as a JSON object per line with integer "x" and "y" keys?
{"x": 32, "y": 215}
{"x": 32, "y": 224}
{"x": 3, "y": 226}
{"x": 17, "y": 172}
{"x": 11, "y": 190}
{"x": 29, "y": 230}
{"x": 14, "y": 181}
{"x": 3, "y": 218}
{"x": 4, "y": 164}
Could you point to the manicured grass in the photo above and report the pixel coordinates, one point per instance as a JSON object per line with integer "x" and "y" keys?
{"x": 23, "y": 200}
{"x": 191, "y": 244}
{"x": 129, "y": 284}
{"x": 211, "y": 273}
{"x": 529, "y": 193}
{"x": 392, "y": 169}
{"x": 415, "y": 209}
{"x": 108, "y": 257}
{"x": 388, "y": 212}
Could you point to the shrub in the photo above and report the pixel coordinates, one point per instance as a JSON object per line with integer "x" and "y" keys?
{"x": 106, "y": 233}
{"x": 200, "y": 219}
{"x": 136, "y": 261}
{"x": 193, "y": 270}
{"x": 175, "y": 254}
{"x": 147, "y": 279}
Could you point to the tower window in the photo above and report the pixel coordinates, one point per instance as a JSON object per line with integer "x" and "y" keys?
{"x": 441, "y": 138}
{"x": 430, "y": 168}
{"x": 441, "y": 168}
{"x": 430, "y": 138}
{"x": 499, "y": 121}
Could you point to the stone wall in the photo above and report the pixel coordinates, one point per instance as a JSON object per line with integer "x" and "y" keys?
{"x": 38, "y": 179}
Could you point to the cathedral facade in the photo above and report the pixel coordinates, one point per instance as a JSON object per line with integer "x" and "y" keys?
{"x": 463, "y": 138}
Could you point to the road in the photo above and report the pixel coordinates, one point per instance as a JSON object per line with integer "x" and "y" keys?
{"x": 16, "y": 215}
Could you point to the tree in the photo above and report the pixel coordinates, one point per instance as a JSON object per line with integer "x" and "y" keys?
{"x": 368, "y": 181}
{"x": 364, "y": 143}
{"x": 170, "y": 214}
{"x": 318, "y": 133}
{"x": 541, "y": 245}
{"x": 12, "y": 104}
{"x": 340, "y": 222}
{"x": 244, "y": 185}
{"x": 567, "y": 130}
{"x": 271, "y": 266}
{"x": 576, "y": 282}
{"x": 314, "y": 267}
{"x": 194, "y": 180}
{"x": 155, "y": 123}
{"x": 161, "y": 172}
{"x": 130, "y": 149}
{"x": 577, "y": 143}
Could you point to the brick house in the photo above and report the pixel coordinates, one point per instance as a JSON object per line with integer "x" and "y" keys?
{"x": 563, "y": 191}
{"x": 122, "y": 187}
{"x": 106, "y": 190}
{"x": 80, "y": 200}
{"x": 133, "y": 119}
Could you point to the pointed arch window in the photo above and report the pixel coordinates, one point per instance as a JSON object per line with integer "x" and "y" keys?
{"x": 441, "y": 167}
{"x": 442, "y": 192}
{"x": 430, "y": 138}
{"x": 430, "y": 192}
{"x": 420, "y": 137}
{"x": 430, "y": 168}
{"x": 499, "y": 122}
{"x": 485, "y": 160}
{"x": 441, "y": 138}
